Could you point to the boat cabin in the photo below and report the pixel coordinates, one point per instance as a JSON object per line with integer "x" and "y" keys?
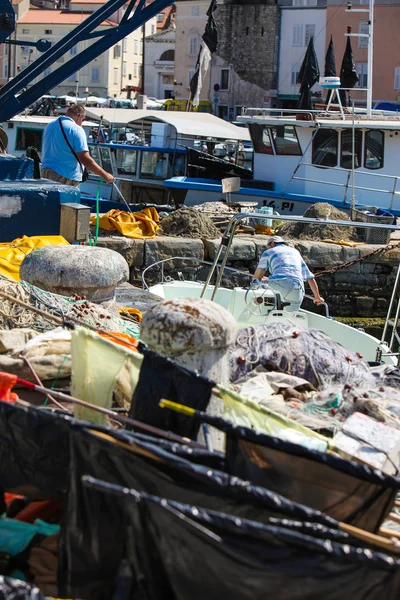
{"x": 317, "y": 156}
{"x": 27, "y": 131}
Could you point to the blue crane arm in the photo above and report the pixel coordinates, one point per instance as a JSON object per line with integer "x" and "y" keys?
{"x": 7, "y": 19}
{"x": 135, "y": 16}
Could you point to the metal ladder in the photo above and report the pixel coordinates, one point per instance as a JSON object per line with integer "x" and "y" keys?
{"x": 393, "y": 322}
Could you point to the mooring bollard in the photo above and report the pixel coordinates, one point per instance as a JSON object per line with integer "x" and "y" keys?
{"x": 66, "y": 270}
{"x": 196, "y": 333}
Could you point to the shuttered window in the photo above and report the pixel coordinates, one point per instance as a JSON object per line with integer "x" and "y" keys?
{"x": 297, "y": 35}
{"x": 397, "y": 78}
{"x": 363, "y": 28}
{"x": 309, "y": 33}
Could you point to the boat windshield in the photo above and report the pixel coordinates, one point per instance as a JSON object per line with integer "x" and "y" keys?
{"x": 280, "y": 139}
{"x": 126, "y": 161}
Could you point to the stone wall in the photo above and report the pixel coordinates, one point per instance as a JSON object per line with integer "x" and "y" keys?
{"x": 361, "y": 290}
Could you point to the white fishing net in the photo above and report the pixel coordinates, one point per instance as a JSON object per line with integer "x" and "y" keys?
{"x": 344, "y": 382}
{"x": 14, "y": 315}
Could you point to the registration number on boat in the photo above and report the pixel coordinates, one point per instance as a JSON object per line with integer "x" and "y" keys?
{"x": 282, "y": 206}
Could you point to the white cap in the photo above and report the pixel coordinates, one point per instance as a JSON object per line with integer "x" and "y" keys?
{"x": 277, "y": 239}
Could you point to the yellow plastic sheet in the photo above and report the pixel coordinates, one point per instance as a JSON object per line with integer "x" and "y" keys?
{"x": 243, "y": 411}
{"x": 13, "y": 253}
{"x": 343, "y": 243}
{"x": 96, "y": 365}
{"x": 139, "y": 225}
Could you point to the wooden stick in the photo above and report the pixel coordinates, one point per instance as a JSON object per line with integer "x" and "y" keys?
{"x": 37, "y": 379}
{"x": 375, "y": 540}
{"x": 389, "y": 533}
{"x": 394, "y": 517}
{"x": 115, "y": 416}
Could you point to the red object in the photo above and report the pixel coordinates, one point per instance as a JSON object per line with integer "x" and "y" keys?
{"x": 348, "y": 29}
{"x": 7, "y": 382}
{"x": 46, "y": 510}
{"x": 10, "y": 497}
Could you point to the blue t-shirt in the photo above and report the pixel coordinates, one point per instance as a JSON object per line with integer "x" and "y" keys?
{"x": 284, "y": 262}
{"x": 57, "y": 154}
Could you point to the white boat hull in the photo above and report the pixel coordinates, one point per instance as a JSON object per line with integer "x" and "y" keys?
{"x": 234, "y": 301}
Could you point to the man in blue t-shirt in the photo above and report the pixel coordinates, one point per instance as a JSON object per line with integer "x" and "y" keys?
{"x": 58, "y": 161}
{"x": 288, "y": 272}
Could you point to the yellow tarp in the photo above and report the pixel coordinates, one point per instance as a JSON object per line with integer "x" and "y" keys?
{"x": 96, "y": 366}
{"x": 13, "y": 253}
{"x": 143, "y": 224}
{"x": 244, "y": 412}
{"x": 343, "y": 243}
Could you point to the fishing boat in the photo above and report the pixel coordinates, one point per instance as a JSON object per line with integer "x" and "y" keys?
{"x": 251, "y": 307}
{"x": 26, "y": 131}
{"x": 172, "y": 144}
{"x": 299, "y": 161}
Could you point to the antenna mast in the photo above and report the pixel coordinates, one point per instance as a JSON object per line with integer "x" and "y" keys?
{"x": 370, "y": 36}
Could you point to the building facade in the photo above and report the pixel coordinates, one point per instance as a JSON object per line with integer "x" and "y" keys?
{"x": 300, "y": 20}
{"x": 160, "y": 63}
{"x": 190, "y": 22}
{"x": 386, "y": 65}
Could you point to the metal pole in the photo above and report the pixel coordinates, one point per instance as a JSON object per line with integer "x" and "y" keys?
{"x": 225, "y": 259}
{"x": 396, "y": 283}
{"x": 370, "y": 56}
{"x": 143, "y": 53}
{"x": 353, "y": 158}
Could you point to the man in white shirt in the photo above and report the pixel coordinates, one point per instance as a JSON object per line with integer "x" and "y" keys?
{"x": 58, "y": 161}
{"x": 288, "y": 272}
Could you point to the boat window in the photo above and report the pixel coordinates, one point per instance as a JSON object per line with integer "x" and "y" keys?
{"x": 285, "y": 140}
{"x": 153, "y": 164}
{"x": 261, "y": 138}
{"x": 325, "y": 148}
{"x": 126, "y": 161}
{"x": 27, "y": 137}
{"x": 176, "y": 165}
{"x": 346, "y": 154}
{"x": 94, "y": 152}
{"x": 106, "y": 159}
{"x": 373, "y": 149}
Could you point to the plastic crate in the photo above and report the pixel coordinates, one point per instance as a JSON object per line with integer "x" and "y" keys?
{"x": 372, "y": 236}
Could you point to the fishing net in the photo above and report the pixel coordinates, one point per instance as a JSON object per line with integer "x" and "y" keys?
{"x": 345, "y": 383}
{"x": 191, "y": 223}
{"x": 318, "y": 232}
{"x": 14, "y": 315}
{"x": 308, "y": 353}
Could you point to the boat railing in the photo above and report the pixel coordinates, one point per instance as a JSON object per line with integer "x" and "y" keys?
{"x": 229, "y": 233}
{"x": 347, "y": 185}
{"x": 167, "y": 278}
{"x": 282, "y": 112}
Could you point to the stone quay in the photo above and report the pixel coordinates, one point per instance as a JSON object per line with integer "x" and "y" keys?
{"x": 360, "y": 290}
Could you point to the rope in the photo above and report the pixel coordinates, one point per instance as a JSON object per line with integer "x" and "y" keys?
{"x": 56, "y": 378}
{"x": 356, "y": 260}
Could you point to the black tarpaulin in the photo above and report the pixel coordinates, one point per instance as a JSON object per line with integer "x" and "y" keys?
{"x": 89, "y": 558}
{"x": 34, "y": 452}
{"x": 308, "y": 76}
{"x": 161, "y": 378}
{"x": 178, "y": 552}
{"x": 345, "y": 490}
{"x": 348, "y": 72}
{"x": 330, "y": 65}
{"x": 210, "y": 35}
